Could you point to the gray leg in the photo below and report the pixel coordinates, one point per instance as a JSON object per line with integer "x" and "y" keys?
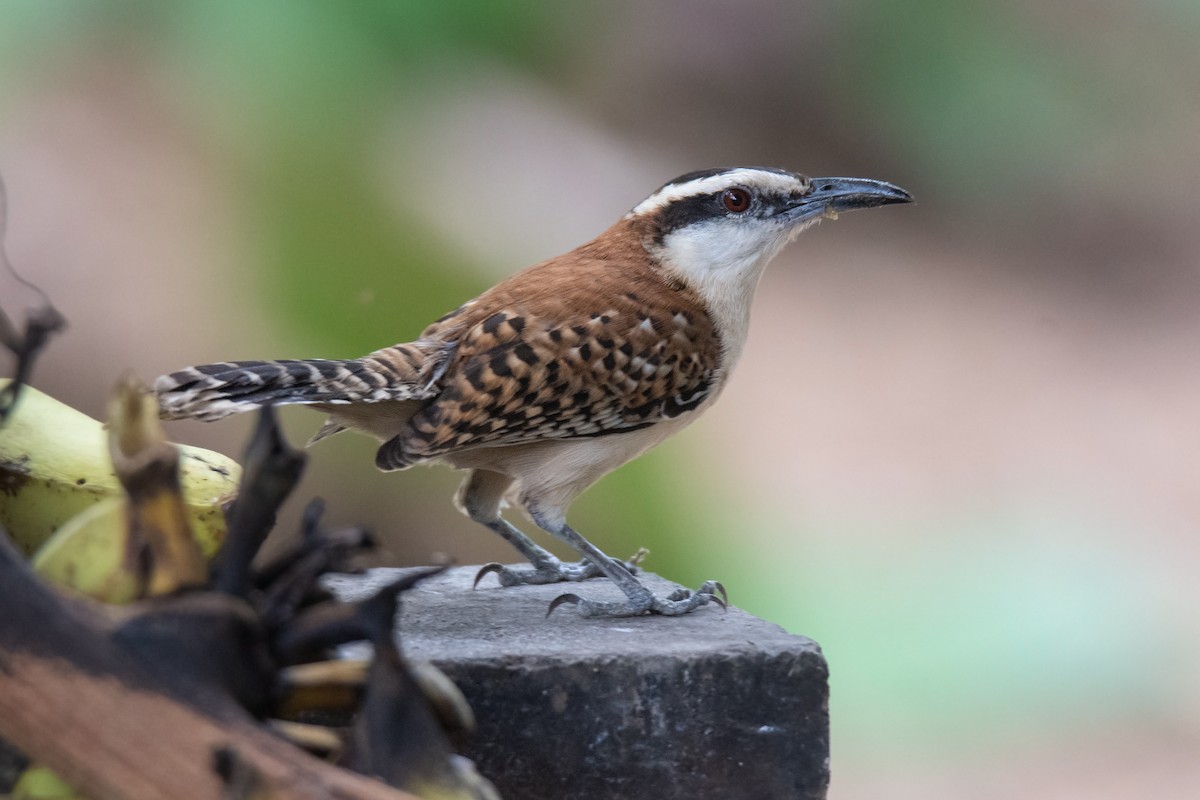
{"x": 546, "y": 567}
{"x": 639, "y": 600}
{"x": 480, "y": 497}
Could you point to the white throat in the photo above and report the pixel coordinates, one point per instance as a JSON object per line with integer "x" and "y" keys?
{"x": 723, "y": 262}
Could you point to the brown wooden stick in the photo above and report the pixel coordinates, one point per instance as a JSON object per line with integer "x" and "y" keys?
{"x": 82, "y": 703}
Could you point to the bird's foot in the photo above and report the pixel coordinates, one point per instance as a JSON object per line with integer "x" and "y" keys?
{"x": 551, "y": 570}
{"x": 680, "y": 601}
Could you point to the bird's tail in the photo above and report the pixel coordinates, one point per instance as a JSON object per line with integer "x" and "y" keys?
{"x": 213, "y": 391}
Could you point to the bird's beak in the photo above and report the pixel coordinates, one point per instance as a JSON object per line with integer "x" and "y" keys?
{"x": 832, "y": 195}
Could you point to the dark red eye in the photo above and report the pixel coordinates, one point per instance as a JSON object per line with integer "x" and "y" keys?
{"x": 735, "y": 200}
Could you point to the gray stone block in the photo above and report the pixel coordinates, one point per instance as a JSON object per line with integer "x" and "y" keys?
{"x": 711, "y": 704}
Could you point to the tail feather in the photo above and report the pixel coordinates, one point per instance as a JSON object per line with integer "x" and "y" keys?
{"x": 212, "y": 391}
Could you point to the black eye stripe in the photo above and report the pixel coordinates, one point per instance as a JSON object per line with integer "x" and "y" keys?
{"x": 682, "y": 213}
{"x": 690, "y": 210}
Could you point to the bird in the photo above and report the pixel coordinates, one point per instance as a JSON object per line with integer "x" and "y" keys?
{"x": 564, "y": 371}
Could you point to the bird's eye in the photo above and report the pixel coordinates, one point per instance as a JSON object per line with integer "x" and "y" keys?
{"x": 735, "y": 200}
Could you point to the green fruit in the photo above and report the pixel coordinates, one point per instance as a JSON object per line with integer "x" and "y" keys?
{"x": 54, "y": 463}
{"x": 39, "y": 783}
{"x": 91, "y": 554}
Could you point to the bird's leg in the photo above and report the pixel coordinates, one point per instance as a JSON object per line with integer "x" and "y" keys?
{"x": 639, "y": 600}
{"x": 546, "y": 567}
{"x": 479, "y": 497}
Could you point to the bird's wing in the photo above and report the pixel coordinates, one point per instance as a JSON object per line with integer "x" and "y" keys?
{"x": 520, "y": 376}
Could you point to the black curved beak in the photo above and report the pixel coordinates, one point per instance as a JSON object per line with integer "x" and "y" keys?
{"x": 843, "y": 194}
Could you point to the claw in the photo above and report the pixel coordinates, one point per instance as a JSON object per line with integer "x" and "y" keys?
{"x": 720, "y": 587}
{"x": 484, "y": 570}
{"x": 562, "y": 599}
{"x": 544, "y": 572}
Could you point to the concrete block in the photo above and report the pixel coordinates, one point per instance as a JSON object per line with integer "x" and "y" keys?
{"x": 711, "y": 704}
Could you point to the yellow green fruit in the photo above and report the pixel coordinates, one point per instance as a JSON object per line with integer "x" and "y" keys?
{"x": 54, "y": 463}
{"x": 39, "y": 783}
{"x": 90, "y": 554}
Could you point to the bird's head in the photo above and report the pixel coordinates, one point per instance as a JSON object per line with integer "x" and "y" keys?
{"x": 714, "y": 232}
{"x": 724, "y": 225}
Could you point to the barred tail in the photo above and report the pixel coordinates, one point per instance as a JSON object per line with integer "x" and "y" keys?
{"x": 213, "y": 391}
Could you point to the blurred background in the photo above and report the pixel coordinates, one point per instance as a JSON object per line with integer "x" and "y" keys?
{"x": 962, "y": 451}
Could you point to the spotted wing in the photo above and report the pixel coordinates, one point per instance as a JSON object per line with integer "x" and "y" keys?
{"x": 521, "y": 377}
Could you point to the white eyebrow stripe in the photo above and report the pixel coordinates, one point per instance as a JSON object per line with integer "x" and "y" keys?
{"x": 678, "y": 191}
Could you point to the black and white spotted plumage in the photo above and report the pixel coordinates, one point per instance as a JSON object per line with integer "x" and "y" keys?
{"x": 212, "y": 391}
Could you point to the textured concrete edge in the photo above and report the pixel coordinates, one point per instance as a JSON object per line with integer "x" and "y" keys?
{"x": 711, "y": 704}
{"x": 722, "y": 724}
